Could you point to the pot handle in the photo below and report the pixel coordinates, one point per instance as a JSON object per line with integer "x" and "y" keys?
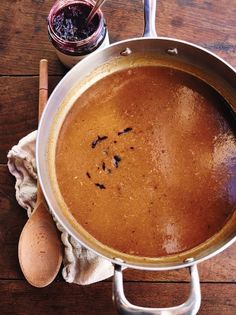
{"x": 149, "y": 18}
{"x": 124, "y": 307}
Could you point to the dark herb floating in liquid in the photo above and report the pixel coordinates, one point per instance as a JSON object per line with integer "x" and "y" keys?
{"x": 88, "y": 175}
{"x": 116, "y": 160}
{"x": 96, "y": 141}
{"x": 101, "y": 186}
{"x": 70, "y": 23}
{"x": 124, "y": 131}
{"x": 105, "y": 168}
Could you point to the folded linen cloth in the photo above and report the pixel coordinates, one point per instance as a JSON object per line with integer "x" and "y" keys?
{"x": 81, "y": 266}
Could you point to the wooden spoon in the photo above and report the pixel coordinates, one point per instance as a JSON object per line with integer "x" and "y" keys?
{"x": 94, "y": 10}
{"x": 39, "y": 248}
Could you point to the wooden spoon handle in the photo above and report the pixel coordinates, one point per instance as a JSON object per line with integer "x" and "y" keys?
{"x": 43, "y": 97}
{"x": 43, "y": 85}
{"x": 97, "y": 6}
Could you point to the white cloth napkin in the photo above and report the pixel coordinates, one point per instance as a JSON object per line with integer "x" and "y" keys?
{"x": 81, "y": 266}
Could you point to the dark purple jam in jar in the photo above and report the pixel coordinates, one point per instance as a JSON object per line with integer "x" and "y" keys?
{"x": 72, "y": 37}
{"x": 70, "y": 22}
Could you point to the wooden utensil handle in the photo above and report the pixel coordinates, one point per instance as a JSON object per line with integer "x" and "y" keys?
{"x": 43, "y": 85}
{"x": 43, "y": 97}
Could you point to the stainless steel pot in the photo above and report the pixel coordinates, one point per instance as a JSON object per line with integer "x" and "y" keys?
{"x": 130, "y": 53}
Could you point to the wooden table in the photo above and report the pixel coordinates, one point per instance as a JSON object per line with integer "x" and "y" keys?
{"x": 23, "y": 42}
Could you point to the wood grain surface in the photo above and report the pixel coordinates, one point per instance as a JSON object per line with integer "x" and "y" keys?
{"x": 70, "y": 299}
{"x": 23, "y": 42}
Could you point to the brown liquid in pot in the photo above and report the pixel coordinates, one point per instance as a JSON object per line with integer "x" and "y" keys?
{"x": 146, "y": 163}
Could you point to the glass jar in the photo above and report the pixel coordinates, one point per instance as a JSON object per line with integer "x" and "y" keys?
{"x": 72, "y": 43}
